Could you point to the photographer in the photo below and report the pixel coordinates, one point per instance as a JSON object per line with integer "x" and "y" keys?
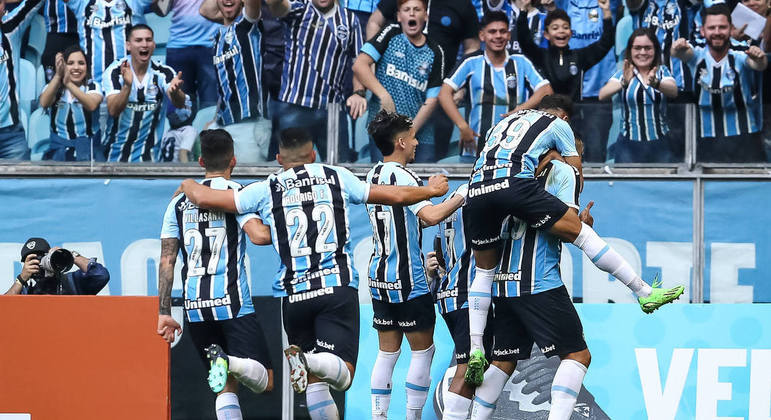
{"x": 44, "y": 272}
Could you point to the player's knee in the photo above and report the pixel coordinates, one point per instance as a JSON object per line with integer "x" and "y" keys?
{"x": 506, "y": 366}
{"x": 583, "y": 357}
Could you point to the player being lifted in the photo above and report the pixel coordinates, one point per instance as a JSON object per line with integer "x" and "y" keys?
{"x": 401, "y": 300}
{"x": 503, "y": 184}
{"x": 306, "y": 208}
{"x": 218, "y": 303}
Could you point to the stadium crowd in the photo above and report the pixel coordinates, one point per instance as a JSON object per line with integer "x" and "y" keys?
{"x": 98, "y": 83}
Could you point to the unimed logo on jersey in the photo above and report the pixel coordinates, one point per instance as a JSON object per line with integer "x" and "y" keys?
{"x": 485, "y": 189}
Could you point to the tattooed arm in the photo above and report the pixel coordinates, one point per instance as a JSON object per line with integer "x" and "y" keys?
{"x": 166, "y": 324}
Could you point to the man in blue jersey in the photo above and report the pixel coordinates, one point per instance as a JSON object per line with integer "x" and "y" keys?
{"x": 62, "y": 28}
{"x": 503, "y": 184}
{"x": 533, "y": 305}
{"x": 306, "y": 208}
{"x": 409, "y": 68}
{"x": 219, "y": 312}
{"x": 238, "y": 66}
{"x": 727, "y": 86}
{"x": 135, "y": 87}
{"x": 103, "y": 27}
{"x": 499, "y": 84}
{"x": 13, "y": 142}
{"x": 401, "y": 300}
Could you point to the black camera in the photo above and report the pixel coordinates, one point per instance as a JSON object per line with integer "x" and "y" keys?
{"x": 56, "y": 261}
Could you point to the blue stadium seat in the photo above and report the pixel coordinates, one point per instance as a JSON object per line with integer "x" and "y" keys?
{"x": 624, "y": 29}
{"x": 203, "y": 116}
{"x": 40, "y": 80}
{"x": 37, "y": 40}
{"x": 39, "y": 133}
{"x": 27, "y": 94}
{"x": 160, "y": 27}
{"x": 24, "y": 117}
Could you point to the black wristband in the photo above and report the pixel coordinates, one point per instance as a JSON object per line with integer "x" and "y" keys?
{"x": 360, "y": 92}
{"x": 23, "y": 283}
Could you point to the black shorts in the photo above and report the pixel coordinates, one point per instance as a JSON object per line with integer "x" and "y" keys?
{"x": 548, "y": 318}
{"x": 239, "y": 337}
{"x": 457, "y": 324}
{"x": 490, "y": 202}
{"x": 324, "y": 320}
{"x": 413, "y": 315}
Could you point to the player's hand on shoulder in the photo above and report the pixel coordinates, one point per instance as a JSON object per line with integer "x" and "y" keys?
{"x": 439, "y": 184}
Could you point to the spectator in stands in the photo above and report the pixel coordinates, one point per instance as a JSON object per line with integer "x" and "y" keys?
{"x": 62, "y": 28}
{"x": 322, "y": 42}
{"x": 498, "y": 84}
{"x": 177, "y": 144}
{"x": 407, "y": 77}
{"x": 72, "y": 99}
{"x": 451, "y": 24}
{"x": 135, "y": 87}
{"x": 760, "y": 7}
{"x": 189, "y": 50}
{"x": 103, "y": 28}
{"x": 643, "y": 86}
{"x": 727, "y": 83}
{"x": 362, "y": 9}
{"x": 13, "y": 142}
{"x": 535, "y": 18}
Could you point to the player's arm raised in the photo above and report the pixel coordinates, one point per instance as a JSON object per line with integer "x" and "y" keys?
{"x": 167, "y": 326}
{"x": 435, "y": 213}
{"x": 393, "y": 195}
{"x": 209, "y": 198}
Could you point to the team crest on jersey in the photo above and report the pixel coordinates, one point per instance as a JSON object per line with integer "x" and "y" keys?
{"x": 423, "y": 69}
{"x": 342, "y": 33}
{"x": 152, "y": 90}
{"x": 511, "y": 81}
{"x": 594, "y": 15}
{"x": 229, "y": 36}
{"x": 730, "y": 74}
{"x": 573, "y": 69}
{"x": 120, "y": 5}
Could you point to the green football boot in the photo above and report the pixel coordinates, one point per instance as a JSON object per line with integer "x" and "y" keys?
{"x": 659, "y": 296}
{"x": 218, "y": 370}
{"x": 475, "y": 372}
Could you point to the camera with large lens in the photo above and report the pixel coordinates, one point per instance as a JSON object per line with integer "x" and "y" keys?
{"x": 56, "y": 261}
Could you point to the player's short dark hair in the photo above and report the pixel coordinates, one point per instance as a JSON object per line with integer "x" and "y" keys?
{"x": 557, "y": 101}
{"x": 294, "y": 137}
{"x": 139, "y": 26}
{"x": 216, "y": 149}
{"x": 556, "y": 14}
{"x": 399, "y": 3}
{"x": 715, "y": 10}
{"x": 385, "y": 127}
{"x": 493, "y": 16}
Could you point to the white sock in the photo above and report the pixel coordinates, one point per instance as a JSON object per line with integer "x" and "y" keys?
{"x": 381, "y": 383}
{"x": 330, "y": 369}
{"x": 418, "y": 381}
{"x": 455, "y": 406}
{"x": 479, "y": 298}
{"x": 565, "y": 388}
{"x": 249, "y": 372}
{"x": 487, "y": 393}
{"x": 609, "y": 261}
{"x": 228, "y": 407}
{"x": 321, "y": 406}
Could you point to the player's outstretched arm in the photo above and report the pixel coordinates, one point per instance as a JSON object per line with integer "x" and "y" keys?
{"x": 167, "y": 326}
{"x": 258, "y": 232}
{"x": 433, "y": 214}
{"x": 392, "y": 195}
{"x": 208, "y": 198}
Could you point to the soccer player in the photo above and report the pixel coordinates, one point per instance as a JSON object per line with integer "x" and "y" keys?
{"x": 134, "y": 87}
{"x": 503, "y": 184}
{"x": 726, "y": 84}
{"x": 238, "y": 64}
{"x": 218, "y": 304}
{"x": 408, "y": 73}
{"x": 13, "y": 142}
{"x": 401, "y": 300}
{"x": 306, "y": 207}
{"x": 104, "y": 27}
{"x": 533, "y": 305}
{"x": 498, "y": 83}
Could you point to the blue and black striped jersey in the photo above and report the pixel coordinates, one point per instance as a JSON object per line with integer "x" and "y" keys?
{"x": 531, "y": 257}
{"x": 494, "y": 91}
{"x": 68, "y": 118}
{"x": 103, "y": 29}
{"x": 452, "y": 293}
{"x": 728, "y": 94}
{"x": 134, "y": 136}
{"x": 643, "y": 107}
{"x": 396, "y": 272}
{"x": 59, "y": 18}
{"x": 319, "y": 50}
{"x": 513, "y": 147}
{"x": 238, "y": 64}
{"x": 213, "y": 246}
{"x": 306, "y": 208}
{"x": 11, "y": 29}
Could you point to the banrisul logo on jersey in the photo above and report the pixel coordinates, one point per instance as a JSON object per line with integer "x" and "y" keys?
{"x": 392, "y": 71}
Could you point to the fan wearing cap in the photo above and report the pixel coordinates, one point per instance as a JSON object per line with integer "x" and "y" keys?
{"x": 39, "y": 278}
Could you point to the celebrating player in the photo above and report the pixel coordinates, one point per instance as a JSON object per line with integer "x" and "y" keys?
{"x": 218, "y": 303}
{"x": 503, "y": 184}
{"x": 401, "y": 299}
{"x": 306, "y": 208}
